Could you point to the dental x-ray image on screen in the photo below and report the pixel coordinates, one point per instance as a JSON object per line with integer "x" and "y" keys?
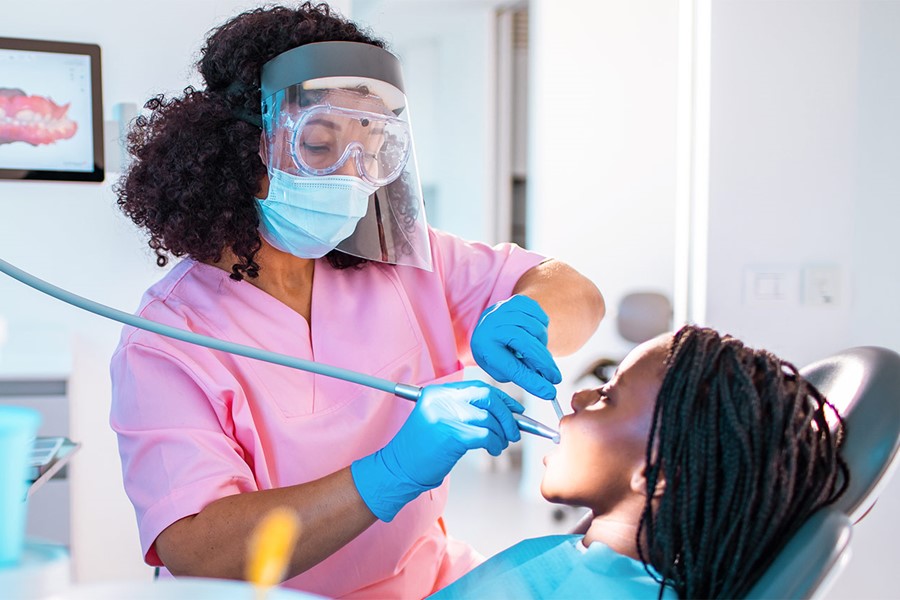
{"x": 51, "y": 114}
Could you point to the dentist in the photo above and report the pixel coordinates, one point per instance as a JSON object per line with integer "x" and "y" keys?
{"x": 289, "y": 186}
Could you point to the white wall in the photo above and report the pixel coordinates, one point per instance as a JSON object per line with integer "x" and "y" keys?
{"x": 601, "y": 178}
{"x": 803, "y": 172}
{"x": 72, "y": 235}
{"x": 447, "y": 48}
{"x": 805, "y": 147}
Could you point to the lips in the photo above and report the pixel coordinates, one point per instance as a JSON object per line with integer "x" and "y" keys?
{"x": 35, "y": 120}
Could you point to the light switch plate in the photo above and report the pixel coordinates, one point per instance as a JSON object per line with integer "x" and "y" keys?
{"x": 770, "y": 286}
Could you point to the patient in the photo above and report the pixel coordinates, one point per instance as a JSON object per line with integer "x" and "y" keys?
{"x": 699, "y": 460}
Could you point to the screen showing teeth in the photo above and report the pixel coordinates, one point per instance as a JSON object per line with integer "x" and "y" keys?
{"x": 34, "y": 120}
{"x": 46, "y": 118}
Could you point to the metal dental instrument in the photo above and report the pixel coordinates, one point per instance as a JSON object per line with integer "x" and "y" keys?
{"x": 526, "y": 424}
{"x": 559, "y": 412}
{"x": 408, "y": 392}
{"x": 553, "y": 401}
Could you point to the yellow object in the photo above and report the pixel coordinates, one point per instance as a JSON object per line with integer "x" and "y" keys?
{"x": 271, "y": 546}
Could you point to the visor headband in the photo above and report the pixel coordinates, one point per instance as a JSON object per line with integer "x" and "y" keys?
{"x": 330, "y": 59}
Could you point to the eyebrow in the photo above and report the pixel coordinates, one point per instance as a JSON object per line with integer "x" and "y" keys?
{"x": 325, "y": 123}
{"x": 335, "y": 127}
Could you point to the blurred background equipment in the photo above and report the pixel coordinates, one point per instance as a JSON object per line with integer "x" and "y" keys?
{"x": 640, "y": 316}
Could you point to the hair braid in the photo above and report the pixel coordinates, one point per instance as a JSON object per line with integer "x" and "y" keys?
{"x": 744, "y": 446}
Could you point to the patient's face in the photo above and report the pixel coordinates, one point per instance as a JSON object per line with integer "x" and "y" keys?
{"x": 605, "y": 440}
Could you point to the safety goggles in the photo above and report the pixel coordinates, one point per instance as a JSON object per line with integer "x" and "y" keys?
{"x": 324, "y": 138}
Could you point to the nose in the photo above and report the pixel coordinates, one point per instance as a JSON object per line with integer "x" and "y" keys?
{"x": 349, "y": 168}
{"x": 584, "y": 398}
{"x": 352, "y": 165}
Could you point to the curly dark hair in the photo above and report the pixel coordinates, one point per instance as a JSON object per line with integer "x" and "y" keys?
{"x": 748, "y": 450}
{"x": 195, "y": 162}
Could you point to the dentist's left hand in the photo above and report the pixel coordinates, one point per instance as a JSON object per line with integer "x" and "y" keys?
{"x": 510, "y": 344}
{"x": 448, "y": 420}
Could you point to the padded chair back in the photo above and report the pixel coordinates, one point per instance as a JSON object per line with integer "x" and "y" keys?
{"x": 808, "y": 564}
{"x": 864, "y": 385}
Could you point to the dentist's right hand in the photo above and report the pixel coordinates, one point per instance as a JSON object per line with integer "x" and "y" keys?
{"x": 448, "y": 420}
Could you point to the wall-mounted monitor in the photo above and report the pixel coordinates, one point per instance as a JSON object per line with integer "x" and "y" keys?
{"x": 51, "y": 111}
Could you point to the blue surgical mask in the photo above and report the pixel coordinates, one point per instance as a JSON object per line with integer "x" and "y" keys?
{"x": 309, "y": 216}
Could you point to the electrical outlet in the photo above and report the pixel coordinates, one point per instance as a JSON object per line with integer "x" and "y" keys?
{"x": 822, "y": 286}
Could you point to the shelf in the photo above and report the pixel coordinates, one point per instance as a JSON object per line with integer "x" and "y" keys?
{"x": 63, "y": 456}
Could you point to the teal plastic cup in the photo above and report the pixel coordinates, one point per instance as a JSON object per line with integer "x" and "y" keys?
{"x": 18, "y": 426}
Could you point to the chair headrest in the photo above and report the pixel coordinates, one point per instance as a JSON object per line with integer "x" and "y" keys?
{"x": 864, "y": 385}
{"x": 810, "y": 560}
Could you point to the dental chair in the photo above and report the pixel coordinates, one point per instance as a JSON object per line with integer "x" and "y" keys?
{"x": 864, "y": 385}
{"x": 809, "y": 563}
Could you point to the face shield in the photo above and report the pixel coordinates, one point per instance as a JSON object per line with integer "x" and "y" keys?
{"x": 333, "y": 110}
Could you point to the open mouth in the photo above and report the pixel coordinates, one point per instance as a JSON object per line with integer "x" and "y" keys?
{"x": 35, "y": 120}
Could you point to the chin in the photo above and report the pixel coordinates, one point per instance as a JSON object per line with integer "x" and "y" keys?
{"x": 552, "y": 493}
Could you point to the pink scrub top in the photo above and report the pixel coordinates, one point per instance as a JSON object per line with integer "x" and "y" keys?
{"x": 195, "y": 425}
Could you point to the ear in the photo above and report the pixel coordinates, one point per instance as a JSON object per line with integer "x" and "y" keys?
{"x": 263, "y": 192}
{"x": 639, "y": 482}
{"x": 263, "y": 148}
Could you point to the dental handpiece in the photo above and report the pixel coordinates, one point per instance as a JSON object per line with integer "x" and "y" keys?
{"x": 526, "y": 424}
{"x": 408, "y": 392}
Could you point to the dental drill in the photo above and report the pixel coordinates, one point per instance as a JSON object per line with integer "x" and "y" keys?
{"x": 402, "y": 390}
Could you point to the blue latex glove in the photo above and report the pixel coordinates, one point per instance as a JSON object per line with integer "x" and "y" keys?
{"x": 447, "y": 421}
{"x": 510, "y": 344}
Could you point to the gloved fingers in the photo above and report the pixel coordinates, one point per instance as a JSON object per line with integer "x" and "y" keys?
{"x": 465, "y": 404}
{"x": 474, "y": 412}
{"x": 499, "y": 408}
{"x": 511, "y": 403}
{"x": 500, "y": 363}
{"x": 532, "y": 382}
{"x": 510, "y": 325}
{"x": 496, "y": 446}
{"x": 536, "y": 357}
{"x": 504, "y": 366}
{"x": 487, "y": 437}
{"x": 518, "y": 312}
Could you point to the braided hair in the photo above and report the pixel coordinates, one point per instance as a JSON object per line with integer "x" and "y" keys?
{"x": 742, "y": 444}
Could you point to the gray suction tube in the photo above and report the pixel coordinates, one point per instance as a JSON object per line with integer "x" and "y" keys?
{"x": 408, "y": 392}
